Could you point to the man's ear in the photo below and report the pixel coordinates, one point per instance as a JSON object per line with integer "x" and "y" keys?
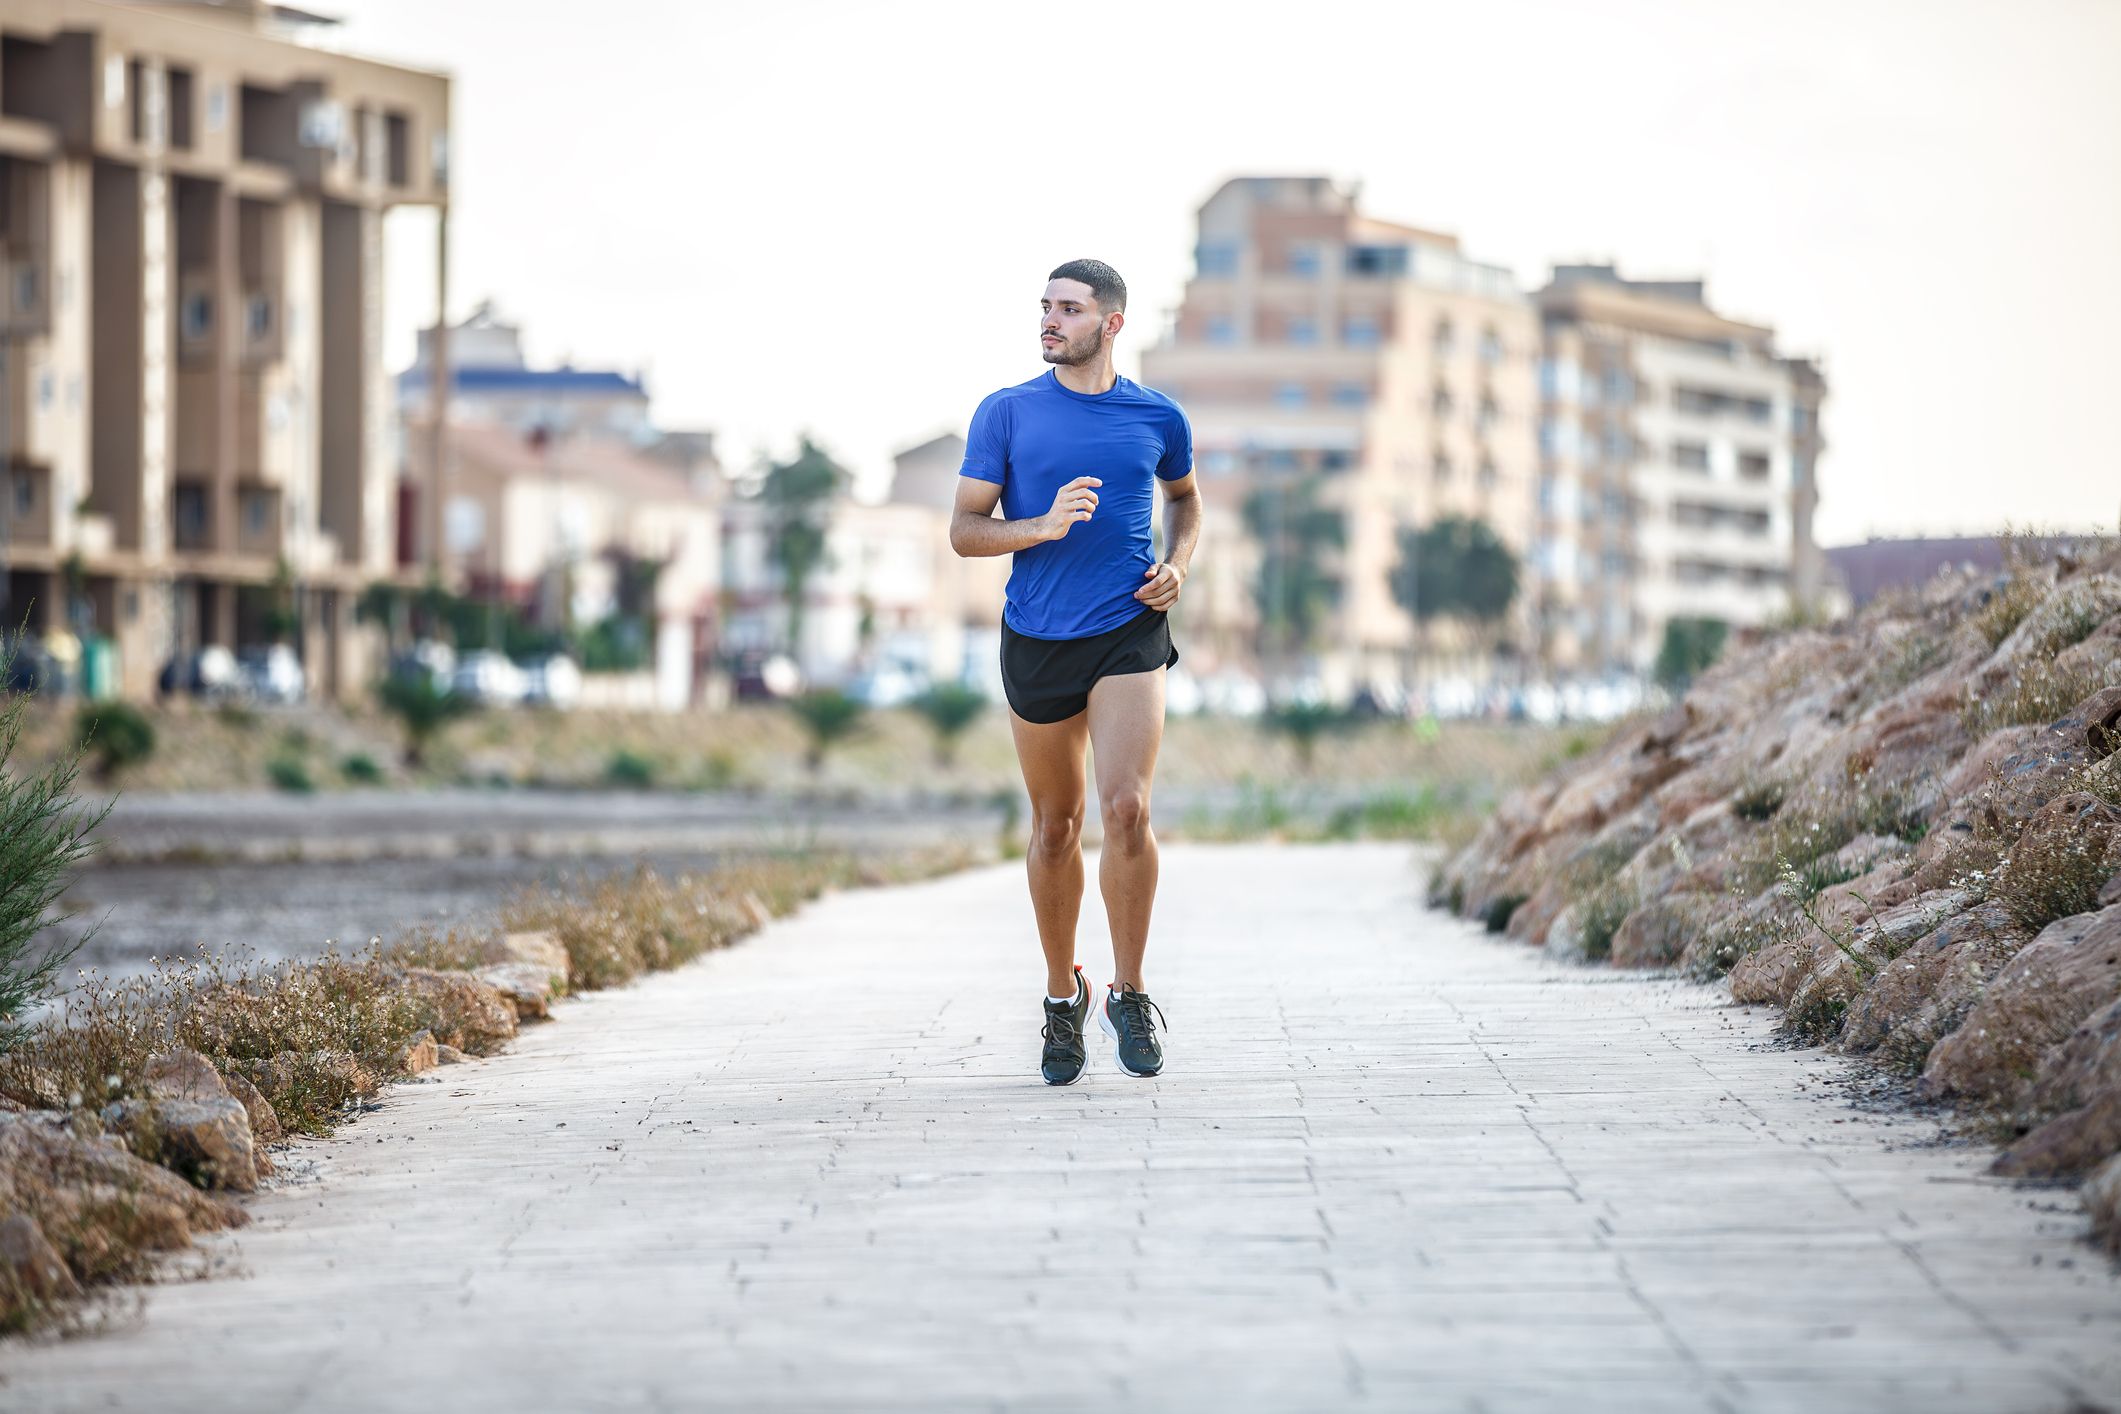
{"x": 1114, "y": 322}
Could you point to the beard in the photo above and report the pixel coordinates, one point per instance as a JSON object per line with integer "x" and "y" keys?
{"x": 1075, "y": 352}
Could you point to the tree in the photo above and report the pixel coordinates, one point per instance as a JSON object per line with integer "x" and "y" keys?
{"x": 1691, "y": 645}
{"x": 950, "y": 708}
{"x": 798, "y": 496}
{"x": 43, "y": 835}
{"x": 422, "y": 708}
{"x": 829, "y": 716}
{"x": 1295, "y": 590}
{"x": 1454, "y": 568}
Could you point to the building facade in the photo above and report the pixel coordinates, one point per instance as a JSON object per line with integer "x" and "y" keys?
{"x": 198, "y": 421}
{"x": 1375, "y": 369}
{"x": 1678, "y": 470}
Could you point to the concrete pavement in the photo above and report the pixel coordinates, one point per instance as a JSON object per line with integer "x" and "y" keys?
{"x": 1393, "y": 1163}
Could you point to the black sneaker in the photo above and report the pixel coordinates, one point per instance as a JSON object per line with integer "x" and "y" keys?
{"x": 1062, "y": 1060}
{"x": 1125, "y": 1017}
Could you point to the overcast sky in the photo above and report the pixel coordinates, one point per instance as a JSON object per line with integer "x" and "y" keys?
{"x": 796, "y": 214}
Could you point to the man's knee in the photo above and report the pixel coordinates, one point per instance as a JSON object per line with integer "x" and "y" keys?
{"x": 1125, "y": 812}
{"x": 1056, "y": 831}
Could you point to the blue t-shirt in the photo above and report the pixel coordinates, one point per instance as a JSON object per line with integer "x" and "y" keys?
{"x": 1035, "y": 438}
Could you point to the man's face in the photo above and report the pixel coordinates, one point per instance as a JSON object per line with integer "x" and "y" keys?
{"x": 1070, "y": 327}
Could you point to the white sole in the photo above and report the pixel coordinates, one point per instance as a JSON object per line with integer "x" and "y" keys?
{"x": 1113, "y": 1031}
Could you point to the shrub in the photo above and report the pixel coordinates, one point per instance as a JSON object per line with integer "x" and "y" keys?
{"x": 949, "y": 708}
{"x": 629, "y": 769}
{"x": 1691, "y": 646}
{"x": 1759, "y": 801}
{"x": 1600, "y": 913}
{"x": 2041, "y": 692}
{"x": 828, "y": 716}
{"x": 422, "y": 707}
{"x": 116, "y": 734}
{"x": 361, "y": 768}
{"x": 2007, "y": 605}
{"x": 1304, "y": 724}
{"x": 43, "y": 835}
{"x": 290, "y": 774}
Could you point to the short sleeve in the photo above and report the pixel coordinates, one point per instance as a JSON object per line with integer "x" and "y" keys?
{"x": 1178, "y": 448}
{"x": 987, "y": 443}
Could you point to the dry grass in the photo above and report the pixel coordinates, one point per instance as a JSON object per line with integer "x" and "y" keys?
{"x": 2042, "y": 692}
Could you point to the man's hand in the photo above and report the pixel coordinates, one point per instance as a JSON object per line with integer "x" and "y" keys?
{"x": 1071, "y": 503}
{"x": 1161, "y": 592}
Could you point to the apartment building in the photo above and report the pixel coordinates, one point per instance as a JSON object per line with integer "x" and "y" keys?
{"x": 191, "y": 208}
{"x": 1678, "y": 455}
{"x": 1375, "y": 361}
{"x": 491, "y": 380}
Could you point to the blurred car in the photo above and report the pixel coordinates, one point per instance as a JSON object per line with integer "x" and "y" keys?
{"x": 555, "y": 682}
{"x": 489, "y": 678}
{"x": 888, "y": 685}
{"x": 210, "y": 672}
{"x": 272, "y": 673}
{"x": 30, "y": 666}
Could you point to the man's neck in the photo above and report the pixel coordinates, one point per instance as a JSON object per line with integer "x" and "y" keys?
{"x": 1093, "y": 377}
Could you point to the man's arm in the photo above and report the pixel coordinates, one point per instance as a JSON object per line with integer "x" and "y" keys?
{"x": 974, "y": 531}
{"x": 1181, "y": 534}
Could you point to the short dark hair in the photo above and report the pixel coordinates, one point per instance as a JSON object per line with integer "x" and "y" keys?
{"x": 1106, "y": 287}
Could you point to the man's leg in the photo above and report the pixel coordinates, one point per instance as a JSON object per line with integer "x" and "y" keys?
{"x": 1126, "y": 728}
{"x": 1051, "y": 755}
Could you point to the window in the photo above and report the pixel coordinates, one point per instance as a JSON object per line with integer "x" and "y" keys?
{"x": 1350, "y": 395}
{"x": 1216, "y": 259}
{"x": 1759, "y": 410}
{"x": 1619, "y": 388}
{"x": 1800, "y": 470}
{"x": 1490, "y": 347}
{"x": 1222, "y": 329}
{"x": 1690, "y": 456}
{"x": 1800, "y": 419}
{"x": 197, "y": 319}
{"x": 1486, "y": 477}
{"x": 1301, "y": 330}
{"x": 1362, "y": 331}
{"x": 1440, "y": 469}
{"x": 1291, "y": 395}
{"x": 1753, "y": 466}
{"x": 1304, "y": 261}
{"x": 1334, "y": 459}
{"x": 1218, "y": 463}
{"x": 1488, "y": 414}
{"x": 25, "y": 494}
{"x": 257, "y": 512}
{"x": 257, "y": 317}
{"x": 1440, "y": 341}
{"x": 1440, "y": 403}
{"x": 1377, "y": 261}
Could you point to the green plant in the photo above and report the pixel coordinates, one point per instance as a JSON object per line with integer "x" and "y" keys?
{"x": 116, "y": 735}
{"x": 1797, "y": 888}
{"x": 949, "y": 709}
{"x": 1691, "y": 646}
{"x": 44, "y": 833}
{"x": 1600, "y": 914}
{"x": 422, "y": 708}
{"x": 360, "y": 768}
{"x": 629, "y": 769}
{"x": 290, "y": 773}
{"x": 829, "y": 717}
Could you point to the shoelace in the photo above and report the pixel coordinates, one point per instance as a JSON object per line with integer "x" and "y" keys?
{"x": 1059, "y": 1030}
{"x": 1135, "y": 1008}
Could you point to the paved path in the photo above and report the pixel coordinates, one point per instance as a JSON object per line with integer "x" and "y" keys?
{"x": 1394, "y": 1164}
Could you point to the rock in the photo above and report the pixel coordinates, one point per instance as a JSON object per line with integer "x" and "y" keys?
{"x": 461, "y": 1010}
{"x": 208, "y": 1141}
{"x": 1565, "y": 935}
{"x": 2084, "y": 1066}
{"x": 420, "y": 1054}
{"x": 449, "y": 1055}
{"x": 1775, "y": 972}
{"x": 1657, "y": 933}
{"x": 526, "y": 985}
{"x": 2102, "y": 1200}
{"x": 541, "y": 949}
{"x": 264, "y": 1121}
{"x": 2101, "y": 715}
{"x": 2068, "y": 1144}
{"x": 1929, "y": 987}
{"x": 182, "y": 1075}
{"x": 31, "y": 1269}
{"x": 2068, "y": 850}
{"x": 63, "y": 1179}
{"x": 2072, "y": 969}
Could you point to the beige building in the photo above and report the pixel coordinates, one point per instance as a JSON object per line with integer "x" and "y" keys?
{"x": 191, "y": 207}
{"x": 1678, "y": 469}
{"x": 1376, "y": 361}
{"x": 555, "y": 525}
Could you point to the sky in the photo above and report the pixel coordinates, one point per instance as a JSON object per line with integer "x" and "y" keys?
{"x": 804, "y": 215}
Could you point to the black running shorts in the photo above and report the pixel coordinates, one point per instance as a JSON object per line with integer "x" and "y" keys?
{"x": 1049, "y": 679}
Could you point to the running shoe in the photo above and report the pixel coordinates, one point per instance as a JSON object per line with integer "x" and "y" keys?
{"x": 1062, "y": 1060}
{"x": 1125, "y": 1017}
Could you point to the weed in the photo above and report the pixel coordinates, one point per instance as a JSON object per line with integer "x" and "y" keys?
{"x": 2042, "y": 692}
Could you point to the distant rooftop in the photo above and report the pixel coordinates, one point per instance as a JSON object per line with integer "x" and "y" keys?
{"x": 1692, "y": 291}
{"x": 504, "y": 379}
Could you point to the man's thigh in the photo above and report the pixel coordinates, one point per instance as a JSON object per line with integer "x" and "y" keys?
{"x": 1051, "y": 757}
{"x": 1126, "y": 729}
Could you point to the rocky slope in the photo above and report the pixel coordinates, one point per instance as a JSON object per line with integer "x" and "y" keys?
{"x": 1904, "y": 830}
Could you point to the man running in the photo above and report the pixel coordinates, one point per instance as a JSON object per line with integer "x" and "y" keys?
{"x": 1070, "y": 457}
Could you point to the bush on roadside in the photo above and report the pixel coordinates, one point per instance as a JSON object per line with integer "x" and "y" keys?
{"x": 361, "y": 769}
{"x": 44, "y": 833}
{"x": 828, "y": 717}
{"x": 422, "y": 708}
{"x": 115, "y": 735}
{"x": 291, "y": 774}
{"x": 630, "y": 770}
{"x": 949, "y": 708}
